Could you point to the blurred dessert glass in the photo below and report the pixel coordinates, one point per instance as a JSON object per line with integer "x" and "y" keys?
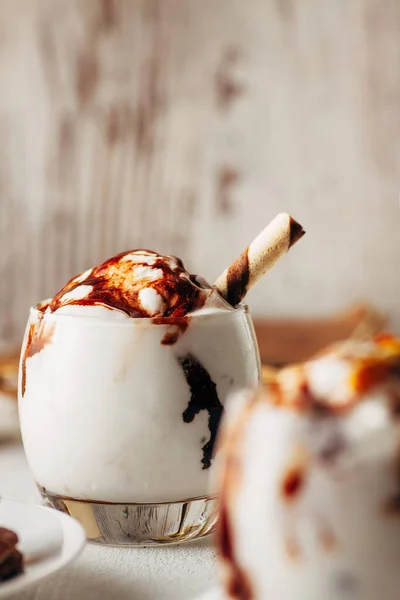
{"x": 309, "y": 480}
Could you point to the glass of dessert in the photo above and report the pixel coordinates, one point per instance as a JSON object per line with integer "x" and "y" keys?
{"x": 124, "y": 374}
{"x": 310, "y": 480}
{"x": 11, "y": 559}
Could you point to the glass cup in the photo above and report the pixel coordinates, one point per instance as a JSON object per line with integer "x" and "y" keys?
{"x": 119, "y": 417}
{"x": 309, "y": 502}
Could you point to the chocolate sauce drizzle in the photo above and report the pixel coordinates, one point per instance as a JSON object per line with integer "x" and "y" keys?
{"x": 39, "y": 335}
{"x": 296, "y": 232}
{"x": 237, "y": 580}
{"x": 176, "y": 327}
{"x": 237, "y": 277}
{"x": 203, "y": 397}
{"x": 292, "y": 483}
{"x": 113, "y": 286}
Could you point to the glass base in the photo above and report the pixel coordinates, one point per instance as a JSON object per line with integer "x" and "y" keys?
{"x": 132, "y": 524}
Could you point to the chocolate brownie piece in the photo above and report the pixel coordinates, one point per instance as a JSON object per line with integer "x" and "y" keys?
{"x": 11, "y": 559}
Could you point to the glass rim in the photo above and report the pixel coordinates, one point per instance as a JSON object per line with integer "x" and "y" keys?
{"x": 234, "y": 311}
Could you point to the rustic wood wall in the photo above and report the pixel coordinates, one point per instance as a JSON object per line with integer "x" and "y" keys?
{"x": 185, "y": 126}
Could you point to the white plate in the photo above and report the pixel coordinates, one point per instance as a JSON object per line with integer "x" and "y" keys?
{"x": 49, "y": 540}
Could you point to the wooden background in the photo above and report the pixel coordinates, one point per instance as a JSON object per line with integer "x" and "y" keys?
{"x": 184, "y": 126}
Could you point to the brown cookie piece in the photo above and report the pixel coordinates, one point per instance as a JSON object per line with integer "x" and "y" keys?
{"x": 12, "y": 566}
{"x": 11, "y": 559}
{"x": 6, "y": 535}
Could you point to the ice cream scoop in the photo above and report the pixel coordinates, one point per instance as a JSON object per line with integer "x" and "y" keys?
{"x": 310, "y": 480}
{"x": 137, "y": 283}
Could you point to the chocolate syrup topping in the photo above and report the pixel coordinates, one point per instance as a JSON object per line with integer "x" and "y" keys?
{"x": 114, "y": 285}
{"x": 39, "y": 335}
{"x": 203, "y": 397}
{"x": 238, "y": 278}
{"x": 374, "y": 370}
{"x": 292, "y": 483}
{"x": 11, "y": 561}
{"x": 296, "y": 232}
{"x": 24, "y": 357}
{"x": 238, "y": 582}
{"x": 176, "y": 327}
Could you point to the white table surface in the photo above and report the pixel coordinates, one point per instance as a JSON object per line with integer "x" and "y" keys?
{"x": 169, "y": 573}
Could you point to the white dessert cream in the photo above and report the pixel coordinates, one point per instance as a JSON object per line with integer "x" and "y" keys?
{"x": 123, "y": 378}
{"x": 310, "y": 480}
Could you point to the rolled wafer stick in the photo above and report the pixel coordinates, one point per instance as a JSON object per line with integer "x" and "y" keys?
{"x": 262, "y": 254}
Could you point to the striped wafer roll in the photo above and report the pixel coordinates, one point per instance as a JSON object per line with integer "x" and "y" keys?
{"x": 262, "y": 254}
